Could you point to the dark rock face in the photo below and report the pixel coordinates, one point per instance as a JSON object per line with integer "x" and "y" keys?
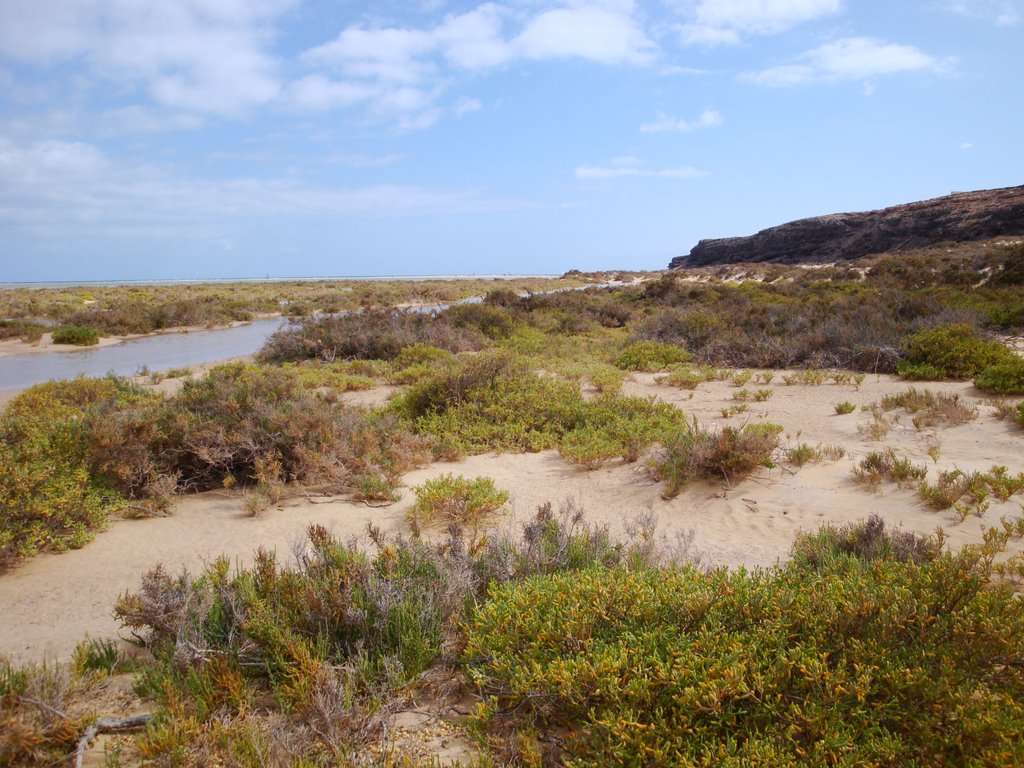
{"x": 957, "y": 217}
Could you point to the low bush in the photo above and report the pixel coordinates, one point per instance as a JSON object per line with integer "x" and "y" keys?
{"x": 454, "y": 499}
{"x": 371, "y": 335}
{"x": 308, "y": 661}
{"x": 866, "y": 649}
{"x": 651, "y": 356}
{"x": 77, "y": 335}
{"x": 930, "y": 409}
{"x": 44, "y": 709}
{"x": 968, "y": 492}
{"x": 886, "y": 465}
{"x": 954, "y": 351}
{"x": 21, "y": 329}
{"x": 728, "y": 455}
{"x": 844, "y": 408}
{"x": 1006, "y": 378}
{"x": 50, "y": 499}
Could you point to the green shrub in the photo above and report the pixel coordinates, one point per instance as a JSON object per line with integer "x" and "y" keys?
{"x": 77, "y": 335}
{"x": 589, "y": 446}
{"x": 491, "y": 401}
{"x": 455, "y": 499}
{"x": 845, "y": 658}
{"x": 651, "y": 356}
{"x": 1005, "y": 378}
{"x": 844, "y": 408}
{"x": 50, "y": 498}
{"x": 949, "y": 352}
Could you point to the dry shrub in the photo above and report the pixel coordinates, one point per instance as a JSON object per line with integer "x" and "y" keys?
{"x": 371, "y": 335}
{"x": 728, "y": 455}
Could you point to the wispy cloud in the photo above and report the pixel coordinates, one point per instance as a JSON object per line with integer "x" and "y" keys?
{"x": 592, "y": 172}
{"x": 709, "y": 118}
{"x": 1004, "y": 13}
{"x": 727, "y": 22}
{"x": 78, "y": 186}
{"x": 852, "y": 58}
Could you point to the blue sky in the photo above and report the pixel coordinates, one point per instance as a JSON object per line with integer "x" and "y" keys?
{"x": 244, "y": 138}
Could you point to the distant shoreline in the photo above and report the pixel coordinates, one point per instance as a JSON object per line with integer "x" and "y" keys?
{"x": 10, "y": 285}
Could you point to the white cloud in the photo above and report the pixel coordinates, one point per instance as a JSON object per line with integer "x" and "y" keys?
{"x": 709, "y": 118}
{"x": 726, "y": 22}
{"x": 381, "y": 54}
{"x": 967, "y": 145}
{"x": 596, "y": 34}
{"x": 319, "y": 92}
{"x": 201, "y": 55}
{"x": 852, "y": 58}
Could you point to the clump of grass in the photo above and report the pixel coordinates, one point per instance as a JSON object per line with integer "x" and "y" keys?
{"x": 810, "y": 377}
{"x": 930, "y": 409}
{"x": 688, "y": 377}
{"x": 455, "y": 499}
{"x": 879, "y": 426}
{"x": 740, "y": 378}
{"x": 969, "y": 492}
{"x": 804, "y": 453}
{"x": 888, "y": 466}
{"x": 732, "y": 410}
{"x": 844, "y": 408}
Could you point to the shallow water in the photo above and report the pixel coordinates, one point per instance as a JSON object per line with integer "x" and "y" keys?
{"x": 158, "y": 353}
{"x": 162, "y": 351}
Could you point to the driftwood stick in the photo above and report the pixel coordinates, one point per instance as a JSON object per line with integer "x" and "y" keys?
{"x": 107, "y": 725}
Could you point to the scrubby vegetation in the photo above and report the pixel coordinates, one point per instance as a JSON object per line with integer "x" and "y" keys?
{"x": 78, "y": 335}
{"x": 808, "y": 664}
{"x": 872, "y": 646}
{"x": 1005, "y": 378}
{"x": 125, "y": 309}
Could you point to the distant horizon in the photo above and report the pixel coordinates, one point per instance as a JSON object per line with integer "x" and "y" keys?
{"x": 458, "y": 137}
{"x": 270, "y": 279}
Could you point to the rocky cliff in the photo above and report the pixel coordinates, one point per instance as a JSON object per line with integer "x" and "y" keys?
{"x": 957, "y": 217}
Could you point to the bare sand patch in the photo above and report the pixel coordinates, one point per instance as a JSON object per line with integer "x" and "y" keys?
{"x": 52, "y": 601}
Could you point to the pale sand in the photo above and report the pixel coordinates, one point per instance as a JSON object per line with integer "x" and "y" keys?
{"x": 49, "y": 603}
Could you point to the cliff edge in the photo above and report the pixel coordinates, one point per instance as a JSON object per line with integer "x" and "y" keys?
{"x": 957, "y": 217}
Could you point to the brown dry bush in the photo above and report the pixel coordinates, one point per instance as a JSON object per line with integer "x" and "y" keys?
{"x": 250, "y": 424}
{"x": 370, "y": 335}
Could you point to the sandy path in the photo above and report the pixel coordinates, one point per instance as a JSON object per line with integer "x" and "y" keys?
{"x": 49, "y": 603}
